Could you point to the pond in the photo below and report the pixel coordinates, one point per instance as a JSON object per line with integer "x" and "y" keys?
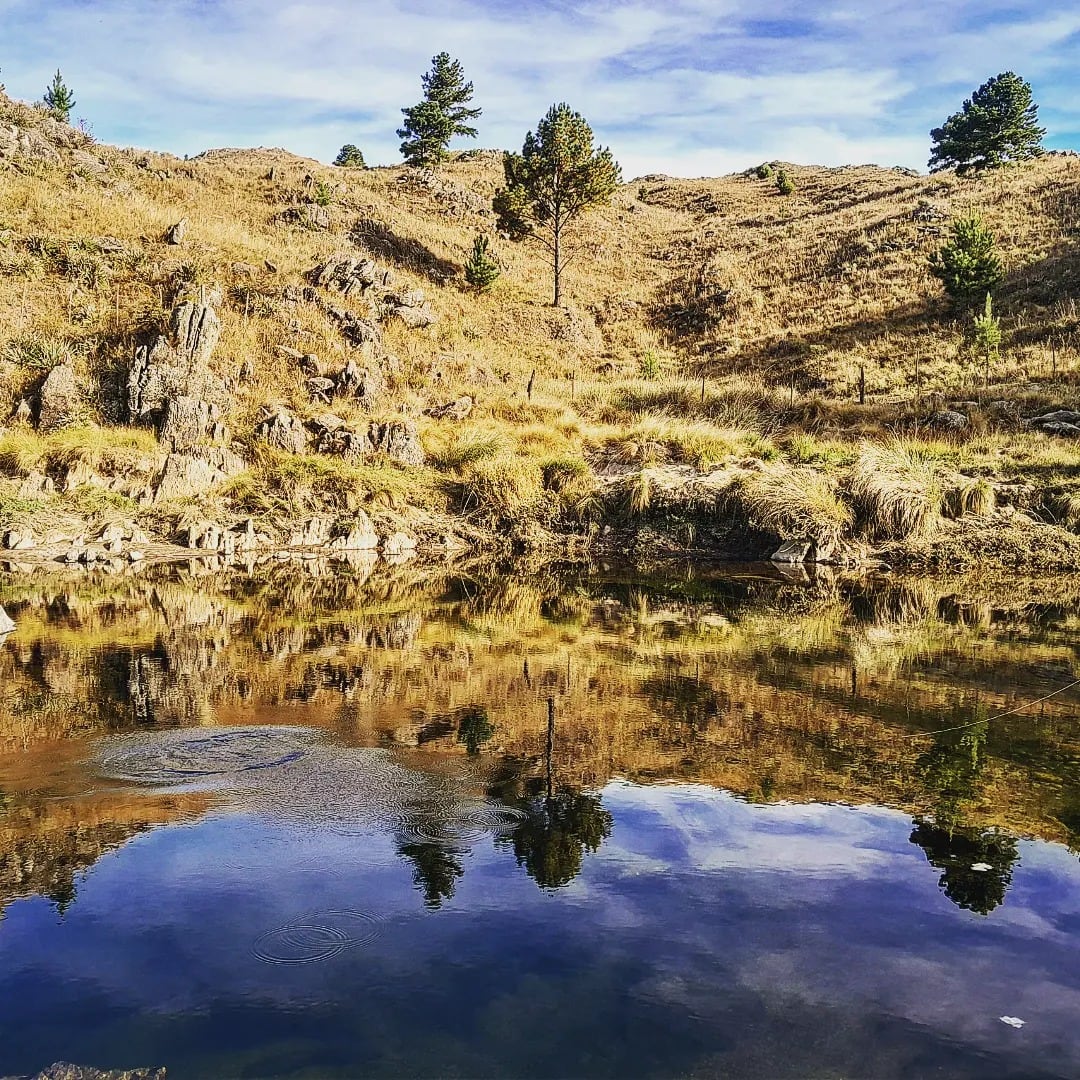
{"x": 306, "y": 820}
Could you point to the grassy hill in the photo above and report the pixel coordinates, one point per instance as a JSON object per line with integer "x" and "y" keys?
{"x": 702, "y": 379}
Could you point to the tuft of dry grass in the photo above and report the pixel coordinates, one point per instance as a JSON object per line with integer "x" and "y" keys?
{"x": 794, "y": 502}
{"x": 971, "y": 496}
{"x": 897, "y": 491}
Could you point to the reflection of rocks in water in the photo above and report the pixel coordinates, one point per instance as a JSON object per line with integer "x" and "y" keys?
{"x": 976, "y": 864}
{"x": 64, "y": 1070}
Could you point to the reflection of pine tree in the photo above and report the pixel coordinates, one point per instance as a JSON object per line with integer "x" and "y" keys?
{"x": 955, "y": 851}
{"x": 436, "y": 869}
{"x": 951, "y": 768}
{"x": 474, "y": 728}
{"x": 557, "y": 831}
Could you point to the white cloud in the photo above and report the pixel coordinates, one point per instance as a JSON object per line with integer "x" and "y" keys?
{"x": 688, "y": 87}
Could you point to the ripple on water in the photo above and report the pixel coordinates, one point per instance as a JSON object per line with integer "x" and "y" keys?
{"x": 318, "y": 936}
{"x": 173, "y": 757}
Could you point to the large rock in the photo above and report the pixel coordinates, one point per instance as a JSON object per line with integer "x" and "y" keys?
{"x": 416, "y": 318}
{"x": 176, "y": 364}
{"x": 354, "y": 329}
{"x": 399, "y": 440}
{"x": 307, "y": 217}
{"x": 186, "y": 475}
{"x": 62, "y": 399}
{"x": 7, "y": 624}
{"x": 282, "y": 430}
{"x": 187, "y": 421}
{"x": 360, "y": 535}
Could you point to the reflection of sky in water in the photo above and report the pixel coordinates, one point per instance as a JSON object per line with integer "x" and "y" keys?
{"x": 704, "y": 936}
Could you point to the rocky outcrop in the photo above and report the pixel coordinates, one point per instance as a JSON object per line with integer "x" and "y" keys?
{"x": 187, "y": 421}
{"x": 175, "y": 233}
{"x": 27, "y": 143}
{"x": 355, "y": 330}
{"x": 176, "y": 364}
{"x": 186, "y": 475}
{"x": 1063, "y": 422}
{"x": 62, "y": 399}
{"x": 313, "y": 217}
{"x": 351, "y": 275}
{"x": 283, "y": 430}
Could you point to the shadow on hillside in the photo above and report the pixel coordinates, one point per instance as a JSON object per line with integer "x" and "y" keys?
{"x": 383, "y": 243}
{"x": 1051, "y": 282}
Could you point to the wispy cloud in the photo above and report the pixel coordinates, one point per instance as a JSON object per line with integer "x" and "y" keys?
{"x": 688, "y": 87}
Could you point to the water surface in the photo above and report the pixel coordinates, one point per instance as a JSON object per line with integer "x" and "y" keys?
{"x": 303, "y": 822}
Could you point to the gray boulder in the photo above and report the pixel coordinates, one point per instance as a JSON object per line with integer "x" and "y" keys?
{"x": 175, "y": 233}
{"x": 283, "y": 430}
{"x": 62, "y": 398}
{"x": 399, "y": 440}
{"x": 949, "y": 420}
{"x": 452, "y": 410}
{"x": 187, "y": 475}
{"x": 416, "y": 318}
{"x": 366, "y": 385}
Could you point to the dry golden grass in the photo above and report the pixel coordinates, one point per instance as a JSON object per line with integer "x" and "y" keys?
{"x": 897, "y": 490}
{"x": 795, "y": 503}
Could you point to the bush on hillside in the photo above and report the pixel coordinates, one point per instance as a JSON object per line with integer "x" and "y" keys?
{"x": 968, "y": 266}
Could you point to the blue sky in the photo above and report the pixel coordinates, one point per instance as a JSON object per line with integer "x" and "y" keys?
{"x": 687, "y": 87}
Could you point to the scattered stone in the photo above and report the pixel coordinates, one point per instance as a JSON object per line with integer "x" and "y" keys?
{"x": 452, "y": 410}
{"x": 416, "y": 318}
{"x": 23, "y": 414}
{"x": 307, "y": 217}
{"x": 62, "y": 398}
{"x": 949, "y": 420}
{"x": 19, "y": 540}
{"x": 7, "y": 623}
{"x": 321, "y": 389}
{"x": 175, "y": 233}
{"x": 366, "y": 385}
{"x": 74, "y": 553}
{"x": 244, "y": 269}
{"x": 360, "y": 536}
{"x": 271, "y": 267}
{"x": 27, "y": 143}
{"x": 90, "y": 555}
{"x": 1060, "y": 427}
{"x": 135, "y": 555}
{"x": 354, "y": 329}
{"x": 185, "y": 475}
{"x": 87, "y": 163}
{"x": 289, "y": 352}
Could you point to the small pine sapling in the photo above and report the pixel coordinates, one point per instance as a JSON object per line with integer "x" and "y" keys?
{"x": 784, "y": 184}
{"x": 481, "y": 270}
{"x": 58, "y": 98}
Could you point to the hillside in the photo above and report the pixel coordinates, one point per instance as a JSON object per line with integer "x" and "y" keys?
{"x": 303, "y": 360}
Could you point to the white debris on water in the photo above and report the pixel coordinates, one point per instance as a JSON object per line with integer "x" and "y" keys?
{"x": 1012, "y": 1021}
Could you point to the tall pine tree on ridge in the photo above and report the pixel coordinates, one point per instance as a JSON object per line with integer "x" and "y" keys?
{"x": 443, "y": 114}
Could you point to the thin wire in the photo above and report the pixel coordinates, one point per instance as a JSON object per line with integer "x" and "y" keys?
{"x": 1000, "y": 716}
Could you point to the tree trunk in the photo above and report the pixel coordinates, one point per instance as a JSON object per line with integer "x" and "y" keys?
{"x": 558, "y": 267}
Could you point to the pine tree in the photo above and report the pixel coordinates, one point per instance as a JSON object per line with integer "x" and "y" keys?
{"x": 987, "y": 333}
{"x": 58, "y": 98}
{"x": 968, "y": 266}
{"x": 481, "y": 270}
{"x": 997, "y": 124}
{"x": 558, "y": 175}
{"x": 784, "y": 184}
{"x": 430, "y": 125}
{"x": 349, "y": 156}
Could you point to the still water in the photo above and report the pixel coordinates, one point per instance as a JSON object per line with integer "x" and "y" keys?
{"x": 314, "y": 821}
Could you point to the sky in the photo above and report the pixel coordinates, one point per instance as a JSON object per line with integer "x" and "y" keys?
{"x": 683, "y": 87}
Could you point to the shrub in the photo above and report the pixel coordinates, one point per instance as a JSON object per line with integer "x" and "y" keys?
{"x": 322, "y": 193}
{"x": 784, "y": 184}
{"x": 649, "y": 365}
{"x": 897, "y": 492}
{"x": 505, "y": 491}
{"x": 764, "y": 171}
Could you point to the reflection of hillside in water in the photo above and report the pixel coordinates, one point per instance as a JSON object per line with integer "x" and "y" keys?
{"x": 767, "y": 689}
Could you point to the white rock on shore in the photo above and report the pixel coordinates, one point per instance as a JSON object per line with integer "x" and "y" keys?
{"x": 7, "y": 624}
